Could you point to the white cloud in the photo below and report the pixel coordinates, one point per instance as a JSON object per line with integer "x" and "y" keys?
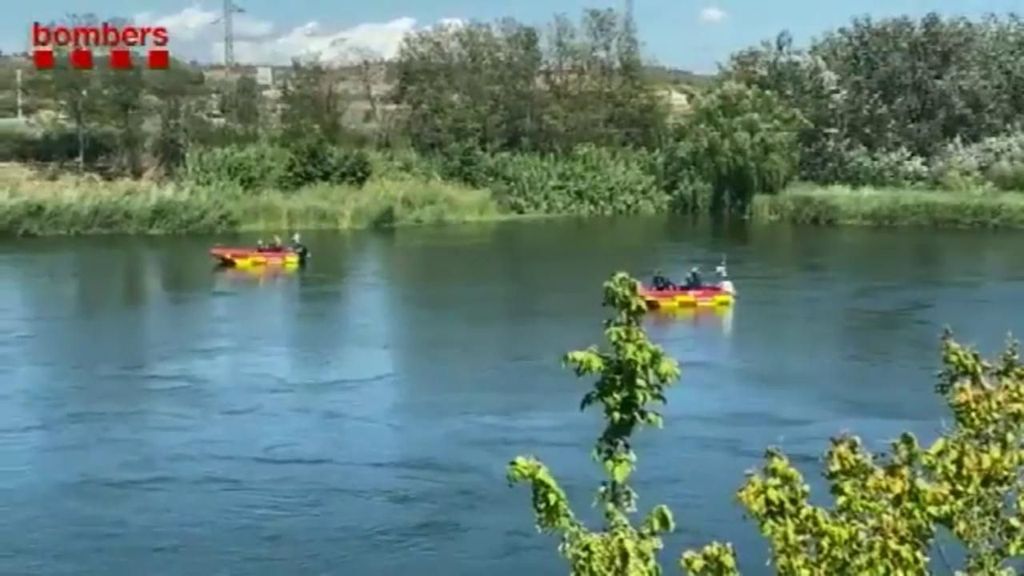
{"x": 197, "y": 33}
{"x": 713, "y": 15}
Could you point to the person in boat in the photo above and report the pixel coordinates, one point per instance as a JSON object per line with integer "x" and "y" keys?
{"x": 725, "y": 285}
{"x": 299, "y": 247}
{"x": 260, "y": 246}
{"x": 660, "y": 282}
{"x": 276, "y": 245}
{"x": 693, "y": 280}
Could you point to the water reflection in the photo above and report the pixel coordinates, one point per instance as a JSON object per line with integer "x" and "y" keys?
{"x": 703, "y": 316}
{"x": 259, "y": 276}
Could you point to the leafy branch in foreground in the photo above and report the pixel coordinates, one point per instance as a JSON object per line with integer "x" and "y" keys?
{"x": 632, "y": 378}
{"x": 887, "y": 508}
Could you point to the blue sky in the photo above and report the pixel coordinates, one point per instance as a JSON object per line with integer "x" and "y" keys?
{"x": 691, "y": 34}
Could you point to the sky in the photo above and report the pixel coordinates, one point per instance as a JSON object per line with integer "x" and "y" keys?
{"x": 688, "y": 34}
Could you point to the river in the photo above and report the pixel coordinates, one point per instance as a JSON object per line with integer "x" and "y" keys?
{"x": 158, "y": 417}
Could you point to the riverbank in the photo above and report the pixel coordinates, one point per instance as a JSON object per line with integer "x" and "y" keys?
{"x": 31, "y": 205}
{"x": 841, "y": 205}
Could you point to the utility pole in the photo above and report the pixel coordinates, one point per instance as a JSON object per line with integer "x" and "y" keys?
{"x": 230, "y": 8}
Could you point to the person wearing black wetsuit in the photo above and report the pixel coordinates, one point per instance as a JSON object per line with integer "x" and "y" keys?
{"x": 693, "y": 280}
{"x": 299, "y": 248}
{"x": 660, "y": 282}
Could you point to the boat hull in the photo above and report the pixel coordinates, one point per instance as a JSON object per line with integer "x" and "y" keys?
{"x": 250, "y": 258}
{"x": 711, "y": 297}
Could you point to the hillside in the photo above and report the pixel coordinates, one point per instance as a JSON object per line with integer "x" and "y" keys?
{"x": 357, "y": 83}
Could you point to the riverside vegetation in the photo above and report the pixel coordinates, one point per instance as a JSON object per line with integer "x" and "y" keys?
{"x": 887, "y": 511}
{"x": 897, "y": 121}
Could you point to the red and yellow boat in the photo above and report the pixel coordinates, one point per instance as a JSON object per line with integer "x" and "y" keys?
{"x": 705, "y": 296}
{"x": 253, "y": 257}
{"x": 722, "y": 294}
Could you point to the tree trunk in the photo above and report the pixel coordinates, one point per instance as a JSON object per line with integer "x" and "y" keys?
{"x": 81, "y": 135}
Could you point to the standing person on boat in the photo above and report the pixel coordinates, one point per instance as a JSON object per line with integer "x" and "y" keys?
{"x": 725, "y": 285}
{"x": 299, "y": 247}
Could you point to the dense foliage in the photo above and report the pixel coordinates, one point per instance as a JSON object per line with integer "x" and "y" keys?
{"x": 885, "y": 99}
{"x": 509, "y": 87}
{"x": 569, "y": 118}
{"x": 742, "y": 140}
{"x": 887, "y": 510}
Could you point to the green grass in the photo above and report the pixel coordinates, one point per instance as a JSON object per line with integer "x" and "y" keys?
{"x": 837, "y": 205}
{"x": 30, "y": 205}
{"x": 33, "y": 204}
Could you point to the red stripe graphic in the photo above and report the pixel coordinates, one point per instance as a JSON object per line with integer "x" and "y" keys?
{"x": 159, "y": 59}
{"x": 81, "y": 58}
{"x": 118, "y": 59}
{"x": 43, "y": 59}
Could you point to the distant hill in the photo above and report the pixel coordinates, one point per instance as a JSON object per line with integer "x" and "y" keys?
{"x": 677, "y": 77}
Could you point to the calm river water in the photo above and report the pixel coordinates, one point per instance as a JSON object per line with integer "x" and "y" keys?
{"x": 157, "y": 417}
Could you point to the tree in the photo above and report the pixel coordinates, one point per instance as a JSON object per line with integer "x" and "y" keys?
{"x": 179, "y": 91}
{"x": 122, "y": 107}
{"x": 887, "y": 511}
{"x": 744, "y": 142}
{"x": 895, "y": 86}
{"x": 887, "y": 508}
{"x": 632, "y": 376}
{"x": 312, "y": 105}
{"x": 244, "y": 107}
{"x": 505, "y": 87}
{"x": 372, "y": 72}
{"x": 74, "y": 92}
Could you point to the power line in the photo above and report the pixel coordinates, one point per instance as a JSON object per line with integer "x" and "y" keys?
{"x": 230, "y": 8}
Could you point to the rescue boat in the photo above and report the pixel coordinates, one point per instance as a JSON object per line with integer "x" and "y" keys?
{"x": 705, "y": 296}
{"x": 713, "y": 295}
{"x": 252, "y": 257}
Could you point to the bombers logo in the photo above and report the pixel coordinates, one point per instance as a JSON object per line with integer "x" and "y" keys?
{"x": 118, "y": 41}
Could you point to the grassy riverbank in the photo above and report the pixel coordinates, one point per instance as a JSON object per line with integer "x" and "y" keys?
{"x": 840, "y": 205}
{"x": 31, "y": 204}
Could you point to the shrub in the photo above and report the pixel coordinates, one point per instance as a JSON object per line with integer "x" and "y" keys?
{"x": 314, "y": 160}
{"x": 862, "y": 167}
{"x": 352, "y": 166}
{"x": 266, "y": 167}
{"x": 587, "y": 181}
{"x": 1007, "y": 175}
{"x": 405, "y": 163}
{"x": 998, "y": 160}
{"x": 252, "y": 167}
{"x": 465, "y": 163}
{"x": 56, "y": 146}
